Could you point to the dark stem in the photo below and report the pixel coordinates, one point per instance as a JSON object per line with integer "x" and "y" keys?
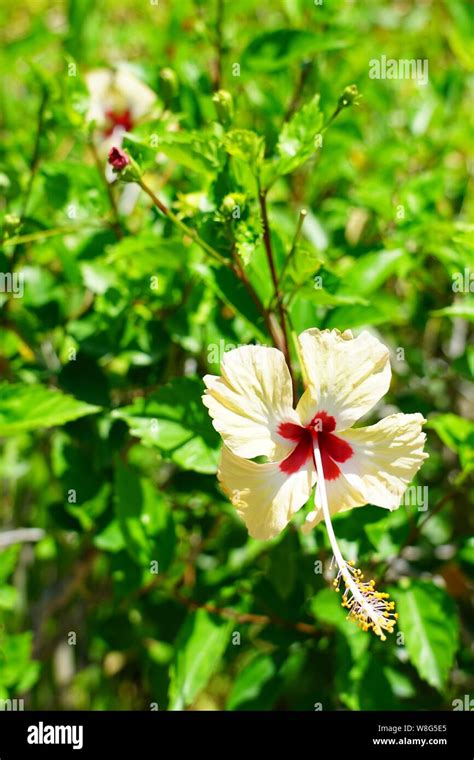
{"x": 331, "y": 118}
{"x": 247, "y": 617}
{"x": 182, "y": 226}
{"x": 233, "y": 264}
{"x": 241, "y": 274}
{"x": 305, "y": 71}
{"x": 271, "y": 263}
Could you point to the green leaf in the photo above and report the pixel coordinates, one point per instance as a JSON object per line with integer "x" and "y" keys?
{"x": 388, "y": 533}
{"x": 233, "y": 292}
{"x": 81, "y": 19}
{"x": 145, "y": 519}
{"x": 198, "y": 152}
{"x": 321, "y": 297}
{"x": 8, "y": 560}
{"x": 466, "y": 553}
{"x": 199, "y": 647}
{"x": 245, "y": 145}
{"x": 326, "y": 607}
{"x": 370, "y": 271}
{"x": 31, "y": 407}
{"x": 8, "y": 597}
{"x": 463, "y": 309}
{"x": 274, "y": 50}
{"x": 174, "y": 420}
{"x": 296, "y": 143}
{"x": 250, "y": 682}
{"x": 283, "y": 569}
{"x": 430, "y": 625}
{"x": 374, "y": 688}
{"x": 457, "y": 434}
{"x": 15, "y": 662}
{"x": 111, "y": 538}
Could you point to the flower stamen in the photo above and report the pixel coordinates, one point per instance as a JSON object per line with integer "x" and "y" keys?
{"x": 371, "y": 609}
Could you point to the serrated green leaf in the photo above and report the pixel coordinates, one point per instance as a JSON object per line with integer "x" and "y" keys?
{"x": 246, "y": 145}
{"x": 296, "y": 143}
{"x": 198, "y": 152}
{"x": 32, "y": 407}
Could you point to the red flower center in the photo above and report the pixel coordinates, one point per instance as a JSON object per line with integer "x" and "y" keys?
{"x": 118, "y": 119}
{"x": 333, "y": 449}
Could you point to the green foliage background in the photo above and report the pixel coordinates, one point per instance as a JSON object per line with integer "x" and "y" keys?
{"x": 387, "y": 230}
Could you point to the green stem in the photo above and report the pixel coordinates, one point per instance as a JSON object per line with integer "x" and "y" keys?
{"x": 301, "y": 218}
{"x": 32, "y": 237}
{"x": 193, "y": 234}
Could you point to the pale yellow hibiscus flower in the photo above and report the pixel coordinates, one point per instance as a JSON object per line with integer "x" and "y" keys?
{"x": 251, "y": 405}
{"x": 118, "y": 101}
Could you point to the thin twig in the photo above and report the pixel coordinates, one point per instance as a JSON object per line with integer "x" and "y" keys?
{"x": 32, "y": 237}
{"x": 267, "y": 317}
{"x": 247, "y": 617}
{"x": 305, "y": 71}
{"x": 232, "y": 264}
{"x": 20, "y": 536}
{"x": 193, "y": 234}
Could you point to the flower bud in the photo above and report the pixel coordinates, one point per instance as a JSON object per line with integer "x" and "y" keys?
{"x": 349, "y": 97}
{"x": 233, "y": 202}
{"x": 11, "y": 222}
{"x": 118, "y": 159}
{"x": 124, "y": 165}
{"x": 224, "y": 105}
{"x": 168, "y": 85}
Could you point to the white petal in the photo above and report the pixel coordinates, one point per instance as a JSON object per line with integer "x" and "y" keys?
{"x": 264, "y": 496}
{"x": 342, "y": 496}
{"x": 98, "y": 83}
{"x": 386, "y": 458}
{"x": 346, "y": 376}
{"x": 250, "y": 400}
{"x": 138, "y": 96}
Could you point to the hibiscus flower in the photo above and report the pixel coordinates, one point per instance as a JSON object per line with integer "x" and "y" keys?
{"x": 251, "y": 405}
{"x": 118, "y": 100}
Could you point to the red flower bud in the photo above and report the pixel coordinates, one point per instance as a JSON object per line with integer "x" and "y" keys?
{"x": 118, "y": 159}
